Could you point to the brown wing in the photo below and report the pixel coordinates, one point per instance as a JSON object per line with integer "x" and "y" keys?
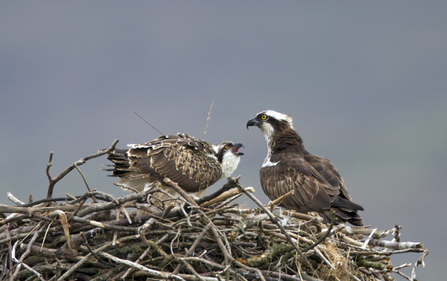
{"x": 183, "y": 159}
{"x": 344, "y": 208}
{"x": 318, "y": 186}
{"x": 328, "y": 172}
{"x": 292, "y": 172}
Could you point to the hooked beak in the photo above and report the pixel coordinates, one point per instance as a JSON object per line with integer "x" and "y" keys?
{"x": 235, "y": 150}
{"x": 252, "y": 122}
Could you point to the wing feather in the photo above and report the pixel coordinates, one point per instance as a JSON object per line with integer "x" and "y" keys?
{"x": 183, "y": 159}
{"x": 325, "y": 168}
{"x": 293, "y": 173}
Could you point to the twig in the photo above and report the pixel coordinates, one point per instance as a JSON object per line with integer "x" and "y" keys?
{"x": 28, "y": 249}
{"x": 227, "y": 194}
{"x": 191, "y": 269}
{"x": 214, "y": 229}
{"x": 216, "y": 242}
{"x": 193, "y": 247}
{"x": 13, "y": 257}
{"x": 208, "y": 120}
{"x": 231, "y": 182}
{"x": 421, "y": 261}
{"x": 53, "y": 181}
{"x": 396, "y": 245}
{"x": 278, "y": 200}
{"x": 319, "y": 253}
{"x": 274, "y": 220}
{"x": 13, "y": 199}
{"x": 85, "y": 182}
{"x": 148, "y": 123}
{"x": 323, "y": 237}
{"x": 369, "y": 238}
{"x": 86, "y": 257}
{"x": 154, "y": 273}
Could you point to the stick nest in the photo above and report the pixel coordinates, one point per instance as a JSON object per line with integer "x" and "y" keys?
{"x": 98, "y": 237}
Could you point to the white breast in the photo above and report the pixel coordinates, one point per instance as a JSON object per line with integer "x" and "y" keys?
{"x": 229, "y": 164}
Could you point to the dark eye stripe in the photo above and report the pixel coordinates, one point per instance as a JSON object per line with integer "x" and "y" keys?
{"x": 220, "y": 155}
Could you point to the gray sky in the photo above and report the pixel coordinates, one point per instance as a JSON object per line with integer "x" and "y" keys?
{"x": 365, "y": 82}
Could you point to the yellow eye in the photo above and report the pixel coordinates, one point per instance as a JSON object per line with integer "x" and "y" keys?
{"x": 227, "y": 147}
{"x": 263, "y": 117}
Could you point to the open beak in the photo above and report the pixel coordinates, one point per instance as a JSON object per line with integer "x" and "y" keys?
{"x": 235, "y": 150}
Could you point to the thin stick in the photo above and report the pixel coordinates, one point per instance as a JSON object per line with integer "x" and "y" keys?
{"x": 214, "y": 243}
{"x": 274, "y": 220}
{"x": 208, "y": 120}
{"x": 85, "y": 182}
{"x": 86, "y": 257}
{"x": 328, "y": 231}
{"x": 192, "y": 248}
{"x": 13, "y": 257}
{"x": 278, "y": 200}
{"x": 53, "y": 181}
{"x": 148, "y": 123}
{"x": 152, "y": 272}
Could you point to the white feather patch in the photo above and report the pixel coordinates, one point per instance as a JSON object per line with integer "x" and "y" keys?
{"x": 267, "y": 130}
{"x": 280, "y": 116}
{"x": 229, "y": 163}
{"x": 268, "y": 163}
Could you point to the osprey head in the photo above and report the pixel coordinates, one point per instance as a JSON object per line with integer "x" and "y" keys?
{"x": 269, "y": 121}
{"x": 228, "y": 155}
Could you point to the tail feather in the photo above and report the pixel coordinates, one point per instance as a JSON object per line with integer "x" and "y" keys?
{"x": 121, "y": 163}
{"x": 341, "y": 215}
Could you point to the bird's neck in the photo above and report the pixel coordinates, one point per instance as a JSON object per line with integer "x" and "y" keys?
{"x": 286, "y": 141}
{"x": 229, "y": 164}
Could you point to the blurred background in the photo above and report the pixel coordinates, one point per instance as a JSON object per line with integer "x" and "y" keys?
{"x": 364, "y": 81}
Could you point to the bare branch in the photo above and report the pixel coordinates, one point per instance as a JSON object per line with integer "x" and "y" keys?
{"x": 80, "y": 162}
{"x": 205, "y": 239}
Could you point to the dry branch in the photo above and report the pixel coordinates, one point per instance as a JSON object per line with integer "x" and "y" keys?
{"x": 97, "y": 237}
{"x": 76, "y": 164}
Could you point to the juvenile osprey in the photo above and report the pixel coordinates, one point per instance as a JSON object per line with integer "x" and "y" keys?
{"x": 192, "y": 163}
{"x": 288, "y": 166}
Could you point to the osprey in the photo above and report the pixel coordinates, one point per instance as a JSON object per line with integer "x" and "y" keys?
{"x": 288, "y": 166}
{"x": 192, "y": 163}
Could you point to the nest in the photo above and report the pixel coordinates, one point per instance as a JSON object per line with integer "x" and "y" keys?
{"x": 98, "y": 237}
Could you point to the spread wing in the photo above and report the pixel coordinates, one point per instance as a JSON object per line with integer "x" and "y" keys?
{"x": 188, "y": 161}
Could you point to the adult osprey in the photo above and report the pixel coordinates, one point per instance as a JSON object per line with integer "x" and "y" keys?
{"x": 288, "y": 166}
{"x": 192, "y": 163}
